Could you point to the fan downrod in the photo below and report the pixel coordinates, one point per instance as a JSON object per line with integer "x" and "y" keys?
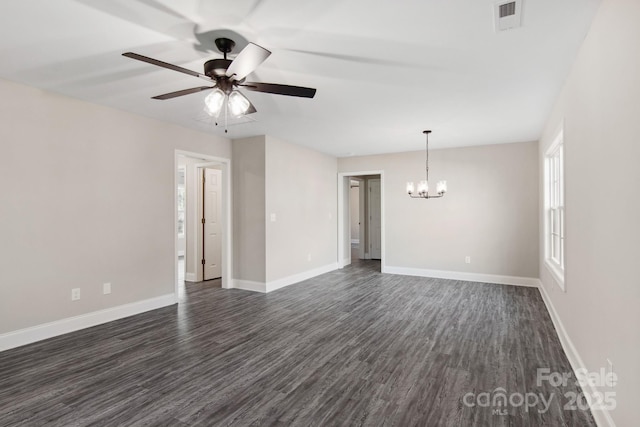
{"x": 225, "y": 45}
{"x": 217, "y": 68}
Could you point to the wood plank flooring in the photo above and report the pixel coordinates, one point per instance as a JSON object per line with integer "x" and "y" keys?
{"x": 351, "y": 347}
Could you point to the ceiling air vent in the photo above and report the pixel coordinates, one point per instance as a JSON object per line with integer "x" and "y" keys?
{"x": 507, "y": 9}
{"x": 508, "y": 14}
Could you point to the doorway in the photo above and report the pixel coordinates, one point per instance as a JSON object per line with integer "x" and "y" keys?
{"x": 202, "y": 225}
{"x": 360, "y": 217}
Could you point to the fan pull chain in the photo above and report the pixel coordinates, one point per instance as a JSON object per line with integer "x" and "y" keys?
{"x": 226, "y": 109}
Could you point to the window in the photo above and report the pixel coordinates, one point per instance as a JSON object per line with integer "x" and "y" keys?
{"x": 554, "y": 209}
{"x": 181, "y": 200}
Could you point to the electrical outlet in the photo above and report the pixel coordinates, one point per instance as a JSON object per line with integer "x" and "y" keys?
{"x": 75, "y": 294}
{"x": 273, "y": 217}
{"x": 106, "y": 288}
{"x": 309, "y": 257}
{"x": 467, "y": 259}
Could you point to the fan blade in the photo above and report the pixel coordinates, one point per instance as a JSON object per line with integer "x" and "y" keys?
{"x": 144, "y": 14}
{"x": 162, "y": 8}
{"x": 355, "y": 58}
{"x": 255, "y": 6}
{"x": 303, "y": 92}
{"x": 165, "y": 65}
{"x": 182, "y": 92}
{"x": 247, "y": 61}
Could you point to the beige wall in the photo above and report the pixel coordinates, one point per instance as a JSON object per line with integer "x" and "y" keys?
{"x": 489, "y": 214}
{"x": 248, "y": 171}
{"x": 301, "y": 191}
{"x": 600, "y": 106}
{"x": 88, "y": 197}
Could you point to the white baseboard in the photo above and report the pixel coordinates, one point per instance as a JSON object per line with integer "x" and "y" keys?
{"x": 346, "y": 261}
{"x": 262, "y": 287}
{"x": 249, "y": 285}
{"x": 70, "y": 324}
{"x": 469, "y": 277}
{"x": 290, "y": 280}
{"x": 190, "y": 277}
{"x": 601, "y": 416}
{"x": 355, "y": 241}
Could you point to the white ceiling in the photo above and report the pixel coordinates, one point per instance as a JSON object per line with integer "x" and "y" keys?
{"x": 384, "y": 70}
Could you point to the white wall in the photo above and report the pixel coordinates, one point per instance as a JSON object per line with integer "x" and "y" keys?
{"x": 301, "y": 191}
{"x": 600, "y": 106}
{"x": 489, "y": 214}
{"x": 87, "y": 197}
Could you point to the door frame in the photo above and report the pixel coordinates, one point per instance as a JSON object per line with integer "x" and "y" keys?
{"x": 227, "y": 237}
{"x": 343, "y": 210}
{"x": 361, "y": 214}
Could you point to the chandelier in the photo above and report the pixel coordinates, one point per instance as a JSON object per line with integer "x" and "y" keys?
{"x": 423, "y": 186}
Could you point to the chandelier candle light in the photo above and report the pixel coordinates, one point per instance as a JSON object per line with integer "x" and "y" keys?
{"x": 423, "y": 186}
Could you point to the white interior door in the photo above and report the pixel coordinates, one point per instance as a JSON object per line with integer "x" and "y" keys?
{"x": 212, "y": 228}
{"x": 375, "y": 219}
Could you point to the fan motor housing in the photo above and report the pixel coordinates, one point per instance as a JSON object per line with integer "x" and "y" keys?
{"x": 216, "y": 67}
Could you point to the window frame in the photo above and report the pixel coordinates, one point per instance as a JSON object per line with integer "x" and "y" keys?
{"x": 182, "y": 207}
{"x": 554, "y": 210}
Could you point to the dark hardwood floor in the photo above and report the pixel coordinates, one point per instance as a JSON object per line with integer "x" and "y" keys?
{"x": 351, "y": 347}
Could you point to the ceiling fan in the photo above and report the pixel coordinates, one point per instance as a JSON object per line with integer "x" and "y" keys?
{"x": 226, "y": 76}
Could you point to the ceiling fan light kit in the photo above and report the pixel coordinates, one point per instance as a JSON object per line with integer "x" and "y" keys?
{"x": 423, "y": 186}
{"x": 226, "y": 76}
{"x": 213, "y": 102}
{"x": 238, "y": 103}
